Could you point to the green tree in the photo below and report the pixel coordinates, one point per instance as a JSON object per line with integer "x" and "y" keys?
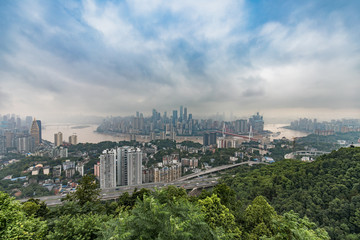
{"x": 86, "y": 191}
{"x": 218, "y": 216}
{"x": 35, "y": 207}
{"x": 170, "y": 194}
{"x": 258, "y": 219}
{"x": 225, "y": 193}
{"x": 14, "y": 222}
{"x": 291, "y": 226}
{"x": 127, "y": 201}
{"x": 150, "y": 219}
{"x": 84, "y": 227}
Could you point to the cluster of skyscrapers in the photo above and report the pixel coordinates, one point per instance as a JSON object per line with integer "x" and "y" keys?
{"x": 120, "y": 167}
{"x": 180, "y": 123}
{"x": 326, "y": 127}
{"x": 19, "y": 135}
{"x": 156, "y": 124}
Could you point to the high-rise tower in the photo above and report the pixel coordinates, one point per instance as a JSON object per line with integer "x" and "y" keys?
{"x": 35, "y": 133}
{"x": 120, "y": 167}
{"x": 174, "y": 117}
{"x": 58, "y": 139}
{"x": 181, "y": 113}
{"x": 129, "y": 166}
{"x": 108, "y": 169}
{"x": 39, "y": 124}
{"x": 73, "y": 139}
{"x": 185, "y": 113}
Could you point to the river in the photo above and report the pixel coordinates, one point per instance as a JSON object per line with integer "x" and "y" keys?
{"x": 86, "y": 133}
{"x": 287, "y": 133}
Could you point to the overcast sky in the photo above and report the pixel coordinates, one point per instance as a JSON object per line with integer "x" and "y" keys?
{"x": 285, "y": 59}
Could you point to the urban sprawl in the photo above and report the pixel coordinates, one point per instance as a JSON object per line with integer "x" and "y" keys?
{"x": 163, "y": 156}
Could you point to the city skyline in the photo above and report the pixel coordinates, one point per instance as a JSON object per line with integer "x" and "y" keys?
{"x": 284, "y": 59}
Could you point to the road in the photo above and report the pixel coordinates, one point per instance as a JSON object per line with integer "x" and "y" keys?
{"x": 217, "y": 169}
{"x": 114, "y": 193}
{"x": 185, "y": 182}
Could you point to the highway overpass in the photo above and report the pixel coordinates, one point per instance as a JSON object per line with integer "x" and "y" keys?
{"x": 114, "y": 193}
{"x": 217, "y": 169}
{"x": 186, "y": 182}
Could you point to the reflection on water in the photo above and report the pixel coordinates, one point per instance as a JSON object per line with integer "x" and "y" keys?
{"x": 287, "y": 133}
{"x": 86, "y": 133}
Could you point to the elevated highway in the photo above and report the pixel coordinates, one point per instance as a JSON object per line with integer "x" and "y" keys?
{"x": 114, "y": 193}
{"x": 186, "y": 182}
{"x": 217, "y": 169}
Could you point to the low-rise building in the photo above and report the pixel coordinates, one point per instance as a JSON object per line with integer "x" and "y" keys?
{"x": 46, "y": 170}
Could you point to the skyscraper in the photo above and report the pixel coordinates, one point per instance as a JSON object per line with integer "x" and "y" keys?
{"x": 185, "y": 113}
{"x": 206, "y": 139}
{"x": 129, "y": 166}
{"x": 28, "y": 121}
{"x": 174, "y": 117}
{"x": 120, "y": 167}
{"x": 58, "y": 139}
{"x": 39, "y": 124}
{"x": 181, "y": 113}
{"x": 2, "y": 144}
{"x": 35, "y": 133}
{"x": 108, "y": 169}
{"x": 257, "y": 123}
{"x": 212, "y": 138}
{"x": 209, "y": 139}
{"x": 73, "y": 139}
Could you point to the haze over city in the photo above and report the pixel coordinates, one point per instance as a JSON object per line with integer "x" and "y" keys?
{"x": 284, "y": 59}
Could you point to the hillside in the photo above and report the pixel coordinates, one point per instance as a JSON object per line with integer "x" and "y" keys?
{"x": 327, "y": 190}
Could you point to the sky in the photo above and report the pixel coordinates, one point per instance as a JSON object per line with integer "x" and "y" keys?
{"x": 284, "y": 59}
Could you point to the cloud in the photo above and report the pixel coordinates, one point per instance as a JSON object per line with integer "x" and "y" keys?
{"x": 4, "y": 99}
{"x": 113, "y": 58}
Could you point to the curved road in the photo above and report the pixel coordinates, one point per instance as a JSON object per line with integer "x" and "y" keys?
{"x": 216, "y": 169}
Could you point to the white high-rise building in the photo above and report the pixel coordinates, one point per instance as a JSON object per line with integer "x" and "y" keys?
{"x": 129, "y": 166}
{"x": 58, "y": 139}
{"x": 120, "y": 167}
{"x": 108, "y": 169}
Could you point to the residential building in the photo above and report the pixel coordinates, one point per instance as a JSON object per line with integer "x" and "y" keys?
{"x": 120, "y": 167}
{"x": 108, "y": 169}
{"x": 129, "y": 166}
{"x": 69, "y": 168}
{"x": 80, "y": 168}
{"x": 73, "y": 139}
{"x": 57, "y": 171}
{"x": 46, "y": 170}
{"x": 24, "y": 144}
{"x": 257, "y": 123}
{"x": 58, "y": 139}
{"x": 97, "y": 170}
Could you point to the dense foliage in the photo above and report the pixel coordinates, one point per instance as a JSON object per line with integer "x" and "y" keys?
{"x": 164, "y": 214}
{"x": 191, "y": 144}
{"x": 285, "y": 200}
{"x": 327, "y": 191}
{"x": 325, "y": 143}
{"x": 15, "y": 223}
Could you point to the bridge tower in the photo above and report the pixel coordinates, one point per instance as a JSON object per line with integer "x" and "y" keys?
{"x": 223, "y": 130}
{"x": 251, "y": 134}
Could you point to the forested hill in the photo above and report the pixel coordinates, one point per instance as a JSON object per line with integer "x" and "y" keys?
{"x": 326, "y": 190}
